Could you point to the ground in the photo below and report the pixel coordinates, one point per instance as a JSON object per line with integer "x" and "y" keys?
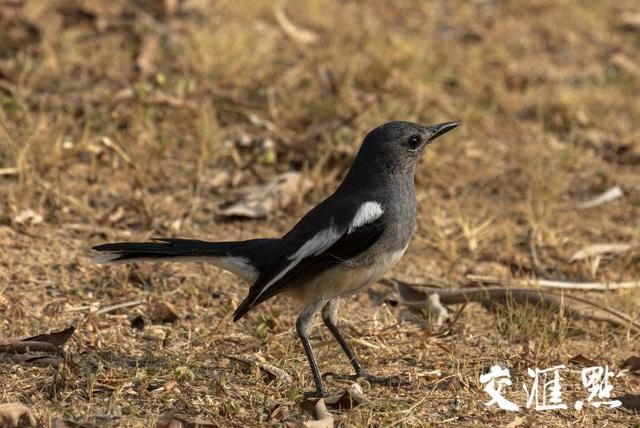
{"x": 129, "y": 120}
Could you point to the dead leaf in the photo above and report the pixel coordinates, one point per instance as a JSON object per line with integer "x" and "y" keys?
{"x": 9, "y": 171}
{"x": 11, "y": 414}
{"x": 27, "y": 346}
{"x": 39, "y": 360}
{"x": 629, "y": 401}
{"x": 155, "y": 334}
{"x": 260, "y": 201}
{"x": 516, "y": 422}
{"x": 161, "y": 311}
{"x": 630, "y": 21}
{"x": 219, "y": 181}
{"x": 430, "y": 375}
{"x": 117, "y": 148}
{"x": 50, "y": 342}
{"x": 147, "y": 53}
{"x": 351, "y": 397}
{"x": 294, "y": 32}
{"x": 626, "y": 65}
{"x": 429, "y": 302}
{"x": 174, "y": 419}
{"x": 269, "y": 369}
{"x": 583, "y": 361}
{"x": 600, "y": 249}
{"x": 116, "y": 216}
{"x": 27, "y": 216}
{"x": 608, "y": 196}
{"x": 324, "y": 418}
{"x": 259, "y": 121}
{"x": 632, "y": 363}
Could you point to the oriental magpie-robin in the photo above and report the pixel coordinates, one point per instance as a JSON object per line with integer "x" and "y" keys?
{"x": 347, "y": 242}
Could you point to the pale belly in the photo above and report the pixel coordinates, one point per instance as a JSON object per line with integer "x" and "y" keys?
{"x": 344, "y": 279}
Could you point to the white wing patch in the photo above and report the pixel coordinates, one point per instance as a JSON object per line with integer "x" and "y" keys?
{"x": 314, "y": 246}
{"x": 367, "y": 213}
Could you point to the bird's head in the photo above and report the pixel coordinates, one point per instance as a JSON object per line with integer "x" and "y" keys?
{"x": 398, "y": 146}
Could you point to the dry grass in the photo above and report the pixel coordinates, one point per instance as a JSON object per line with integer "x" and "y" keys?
{"x": 547, "y": 91}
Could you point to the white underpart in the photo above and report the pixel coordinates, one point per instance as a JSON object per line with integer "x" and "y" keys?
{"x": 367, "y": 213}
{"x": 314, "y": 246}
{"x": 103, "y": 258}
{"x": 346, "y": 279}
{"x": 239, "y": 266}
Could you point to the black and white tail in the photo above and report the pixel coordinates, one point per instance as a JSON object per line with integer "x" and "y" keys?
{"x": 242, "y": 258}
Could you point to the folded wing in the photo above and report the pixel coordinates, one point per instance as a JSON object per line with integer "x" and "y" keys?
{"x": 309, "y": 251}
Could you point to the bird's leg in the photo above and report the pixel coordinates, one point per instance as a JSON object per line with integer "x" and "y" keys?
{"x": 330, "y": 318}
{"x": 303, "y": 327}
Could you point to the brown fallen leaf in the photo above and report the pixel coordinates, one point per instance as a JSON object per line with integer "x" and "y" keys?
{"x": 630, "y": 21}
{"x": 347, "y": 399}
{"x": 28, "y": 217}
{"x": 219, "y": 181}
{"x": 629, "y": 401}
{"x": 155, "y": 334}
{"x": 582, "y": 361}
{"x": 50, "y": 342}
{"x": 516, "y": 422}
{"x": 632, "y": 363}
{"x": 269, "y": 369}
{"x": 26, "y": 347}
{"x": 174, "y": 419}
{"x": 430, "y": 375}
{"x": 324, "y": 418}
{"x": 11, "y": 414}
{"x": 161, "y": 311}
{"x": 626, "y": 65}
{"x": 260, "y": 201}
{"x": 145, "y": 61}
{"x": 39, "y": 360}
{"x": 58, "y": 338}
{"x": 430, "y": 303}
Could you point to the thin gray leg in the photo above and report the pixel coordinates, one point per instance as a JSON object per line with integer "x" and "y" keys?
{"x": 330, "y": 318}
{"x": 303, "y": 327}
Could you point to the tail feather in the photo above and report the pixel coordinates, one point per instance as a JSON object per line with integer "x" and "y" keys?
{"x": 162, "y": 248}
{"x": 242, "y": 258}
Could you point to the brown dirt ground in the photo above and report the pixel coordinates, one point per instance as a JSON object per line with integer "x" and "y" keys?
{"x": 198, "y": 100}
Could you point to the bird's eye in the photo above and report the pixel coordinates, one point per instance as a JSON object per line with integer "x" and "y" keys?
{"x": 414, "y": 141}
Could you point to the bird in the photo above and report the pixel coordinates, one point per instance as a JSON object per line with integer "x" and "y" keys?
{"x": 347, "y": 242}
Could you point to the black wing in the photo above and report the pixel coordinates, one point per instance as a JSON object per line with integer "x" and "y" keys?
{"x": 349, "y": 245}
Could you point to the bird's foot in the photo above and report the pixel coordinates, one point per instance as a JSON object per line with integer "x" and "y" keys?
{"x": 372, "y": 379}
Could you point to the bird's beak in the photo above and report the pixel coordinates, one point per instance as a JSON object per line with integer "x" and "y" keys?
{"x": 440, "y": 129}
